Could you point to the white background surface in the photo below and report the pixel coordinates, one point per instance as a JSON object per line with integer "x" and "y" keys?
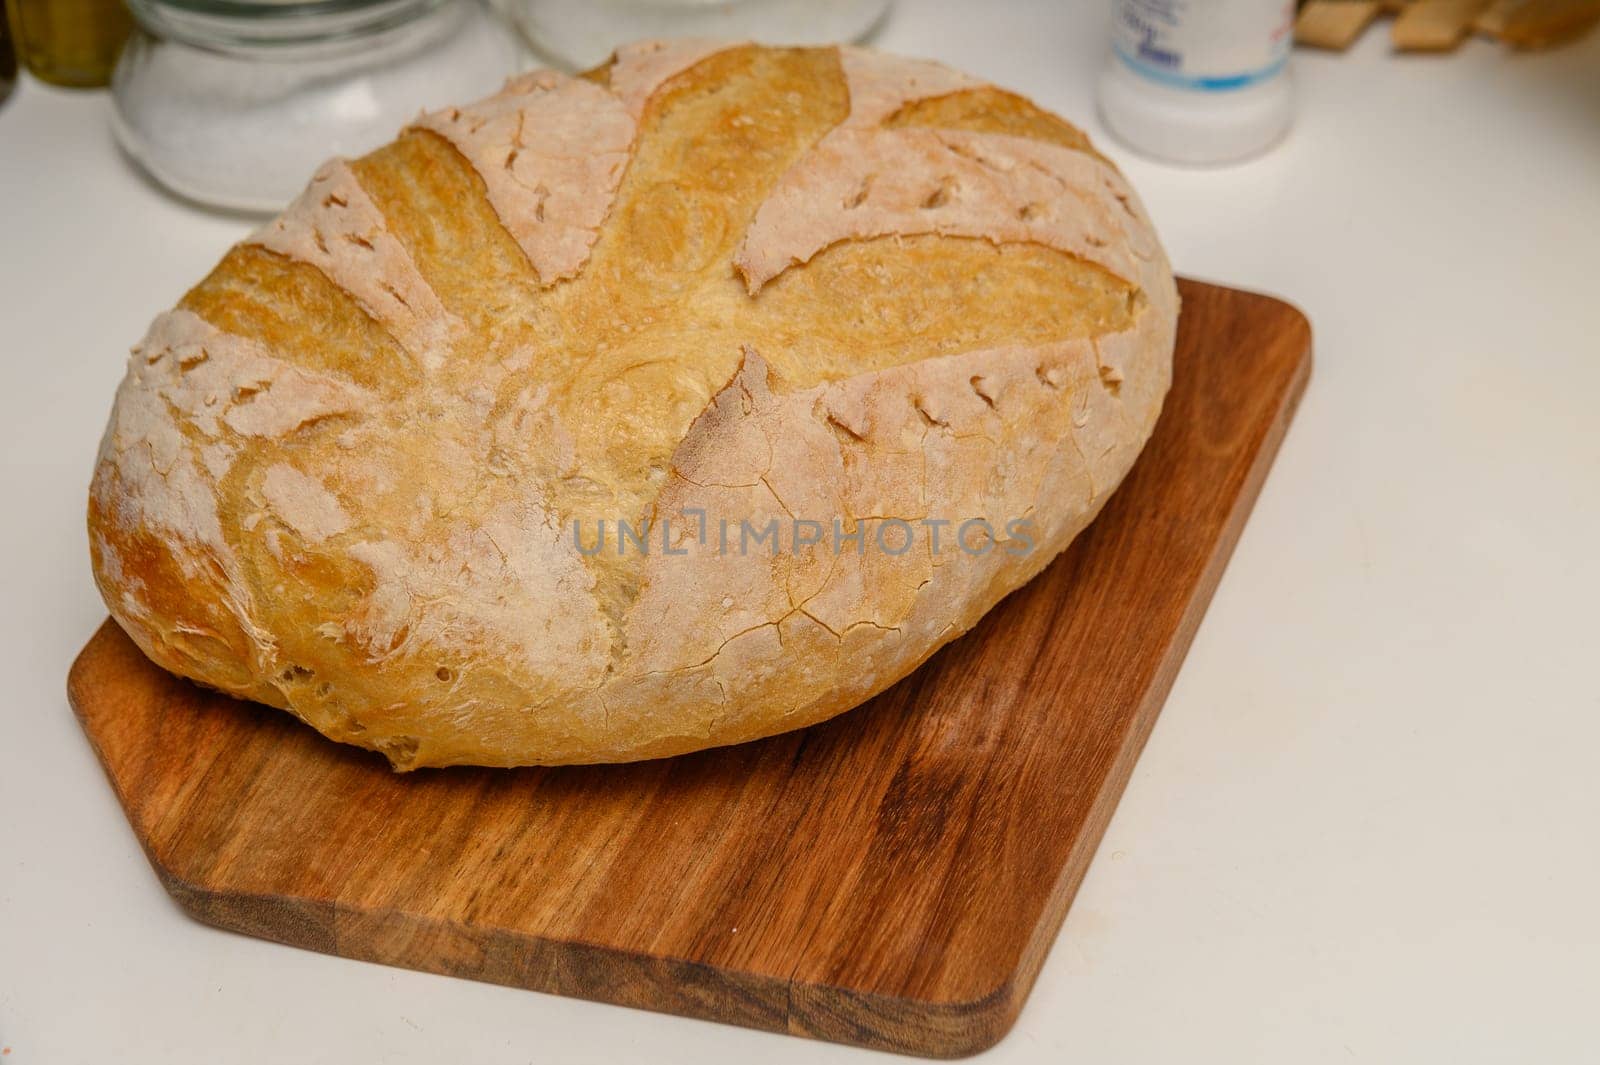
{"x": 1367, "y": 827}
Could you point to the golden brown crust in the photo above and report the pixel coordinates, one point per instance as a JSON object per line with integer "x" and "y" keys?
{"x": 710, "y": 282}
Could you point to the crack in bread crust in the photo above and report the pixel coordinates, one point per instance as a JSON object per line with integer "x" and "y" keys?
{"x": 773, "y": 284}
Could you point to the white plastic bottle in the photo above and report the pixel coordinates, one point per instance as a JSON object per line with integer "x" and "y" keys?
{"x": 1199, "y": 81}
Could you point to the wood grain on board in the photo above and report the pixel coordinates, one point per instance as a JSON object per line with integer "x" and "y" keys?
{"x": 892, "y": 878}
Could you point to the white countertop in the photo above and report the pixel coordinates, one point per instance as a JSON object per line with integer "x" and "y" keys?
{"x": 1367, "y": 827}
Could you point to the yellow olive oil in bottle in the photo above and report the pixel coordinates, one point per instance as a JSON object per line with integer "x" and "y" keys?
{"x": 8, "y": 58}
{"x": 69, "y": 42}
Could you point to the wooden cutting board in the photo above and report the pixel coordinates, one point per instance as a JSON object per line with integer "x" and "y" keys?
{"x": 892, "y": 878}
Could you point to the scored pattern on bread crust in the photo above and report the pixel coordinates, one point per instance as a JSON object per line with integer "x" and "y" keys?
{"x": 221, "y": 386}
{"x": 912, "y": 434}
{"x": 194, "y": 393}
{"x": 335, "y": 226}
{"x": 638, "y": 70}
{"x": 882, "y": 84}
{"x": 870, "y": 183}
{"x": 453, "y": 618}
{"x": 862, "y": 180}
{"x": 551, "y": 150}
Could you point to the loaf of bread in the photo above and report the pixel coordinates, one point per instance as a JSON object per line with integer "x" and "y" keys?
{"x": 687, "y": 401}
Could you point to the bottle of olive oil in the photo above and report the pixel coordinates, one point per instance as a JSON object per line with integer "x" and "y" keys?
{"x": 69, "y": 42}
{"x": 8, "y": 58}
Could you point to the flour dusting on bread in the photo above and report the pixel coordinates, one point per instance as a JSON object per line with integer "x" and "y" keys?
{"x": 550, "y": 149}
{"x": 335, "y": 226}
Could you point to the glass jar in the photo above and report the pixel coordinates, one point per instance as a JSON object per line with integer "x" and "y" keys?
{"x": 68, "y": 42}
{"x": 234, "y": 103}
{"x": 582, "y": 33}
